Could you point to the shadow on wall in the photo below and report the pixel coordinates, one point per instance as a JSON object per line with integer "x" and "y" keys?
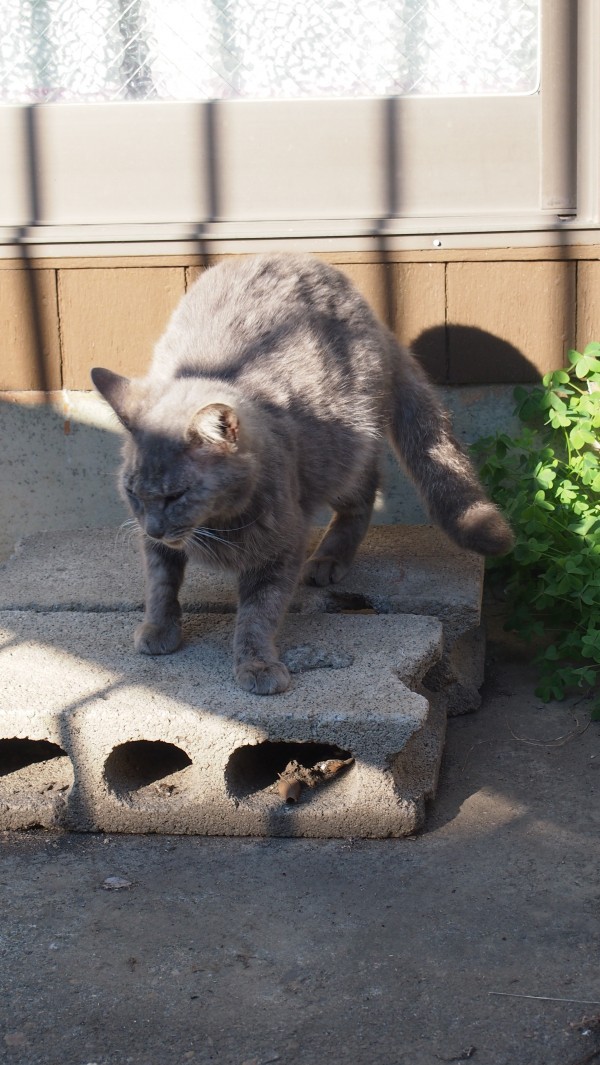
{"x": 465, "y": 355}
{"x": 57, "y": 472}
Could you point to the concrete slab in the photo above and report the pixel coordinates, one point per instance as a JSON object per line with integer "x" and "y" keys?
{"x": 170, "y": 744}
{"x": 399, "y": 569}
{"x": 407, "y": 569}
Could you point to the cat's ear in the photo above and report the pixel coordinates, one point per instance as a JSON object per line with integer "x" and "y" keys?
{"x": 115, "y": 390}
{"x": 215, "y": 424}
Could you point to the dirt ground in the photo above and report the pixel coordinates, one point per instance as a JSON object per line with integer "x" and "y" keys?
{"x": 477, "y": 941}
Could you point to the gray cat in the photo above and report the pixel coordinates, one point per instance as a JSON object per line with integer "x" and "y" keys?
{"x": 270, "y": 394}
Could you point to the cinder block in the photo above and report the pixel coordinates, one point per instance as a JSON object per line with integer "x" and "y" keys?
{"x": 172, "y": 745}
{"x": 399, "y": 570}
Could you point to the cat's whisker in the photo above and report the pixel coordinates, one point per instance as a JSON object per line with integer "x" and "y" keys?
{"x": 127, "y": 526}
{"x": 207, "y": 548}
{"x": 204, "y": 545}
{"x": 235, "y": 528}
{"x": 125, "y": 533}
{"x": 210, "y": 534}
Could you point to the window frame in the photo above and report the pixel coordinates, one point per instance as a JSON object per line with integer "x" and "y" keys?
{"x": 405, "y": 172}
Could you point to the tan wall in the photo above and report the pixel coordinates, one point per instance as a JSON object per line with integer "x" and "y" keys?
{"x": 474, "y": 318}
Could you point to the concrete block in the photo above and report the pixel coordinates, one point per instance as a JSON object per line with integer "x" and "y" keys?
{"x": 93, "y": 736}
{"x": 399, "y": 570}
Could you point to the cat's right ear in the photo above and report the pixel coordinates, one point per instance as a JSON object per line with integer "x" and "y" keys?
{"x": 115, "y": 390}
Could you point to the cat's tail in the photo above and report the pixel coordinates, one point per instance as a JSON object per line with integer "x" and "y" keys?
{"x": 447, "y": 481}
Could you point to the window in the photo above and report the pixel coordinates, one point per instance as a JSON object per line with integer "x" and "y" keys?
{"x": 142, "y": 121}
{"x": 84, "y": 50}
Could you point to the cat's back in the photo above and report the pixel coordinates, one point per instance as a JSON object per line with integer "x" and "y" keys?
{"x": 245, "y": 320}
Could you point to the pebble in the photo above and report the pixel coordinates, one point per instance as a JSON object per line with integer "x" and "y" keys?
{"x": 115, "y": 883}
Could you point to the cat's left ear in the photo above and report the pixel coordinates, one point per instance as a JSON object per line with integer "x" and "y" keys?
{"x": 115, "y": 390}
{"x": 215, "y": 424}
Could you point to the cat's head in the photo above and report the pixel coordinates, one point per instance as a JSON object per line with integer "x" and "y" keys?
{"x": 189, "y": 458}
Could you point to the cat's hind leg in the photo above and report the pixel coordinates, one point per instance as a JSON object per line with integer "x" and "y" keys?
{"x": 343, "y": 536}
{"x": 160, "y": 631}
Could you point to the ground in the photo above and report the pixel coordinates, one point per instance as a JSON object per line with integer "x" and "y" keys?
{"x": 476, "y": 941}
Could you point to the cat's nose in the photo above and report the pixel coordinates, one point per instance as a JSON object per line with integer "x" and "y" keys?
{"x": 154, "y": 525}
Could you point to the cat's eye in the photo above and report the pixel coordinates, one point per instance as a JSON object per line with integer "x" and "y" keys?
{"x": 174, "y": 497}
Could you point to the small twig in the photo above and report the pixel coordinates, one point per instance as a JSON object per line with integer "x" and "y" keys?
{"x": 470, "y": 751}
{"x": 466, "y": 1054}
{"x": 587, "y": 1024}
{"x": 546, "y": 998}
{"x": 558, "y": 742}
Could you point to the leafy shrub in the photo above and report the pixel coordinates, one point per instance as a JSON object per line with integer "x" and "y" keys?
{"x": 547, "y": 481}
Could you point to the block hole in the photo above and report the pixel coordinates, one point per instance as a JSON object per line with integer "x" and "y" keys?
{"x": 134, "y": 765}
{"x": 256, "y": 766}
{"x": 17, "y": 754}
{"x": 348, "y": 603}
{"x": 438, "y": 677}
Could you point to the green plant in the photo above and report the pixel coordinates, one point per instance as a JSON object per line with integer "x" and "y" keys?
{"x": 547, "y": 481}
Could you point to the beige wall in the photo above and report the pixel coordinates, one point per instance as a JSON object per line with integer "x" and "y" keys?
{"x": 482, "y": 317}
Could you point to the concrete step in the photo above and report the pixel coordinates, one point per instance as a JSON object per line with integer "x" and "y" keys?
{"x": 172, "y": 745}
{"x": 400, "y": 569}
{"x": 95, "y": 737}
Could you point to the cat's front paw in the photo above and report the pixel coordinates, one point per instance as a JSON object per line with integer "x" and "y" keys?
{"x": 262, "y": 678}
{"x": 324, "y": 570}
{"x": 151, "y": 639}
